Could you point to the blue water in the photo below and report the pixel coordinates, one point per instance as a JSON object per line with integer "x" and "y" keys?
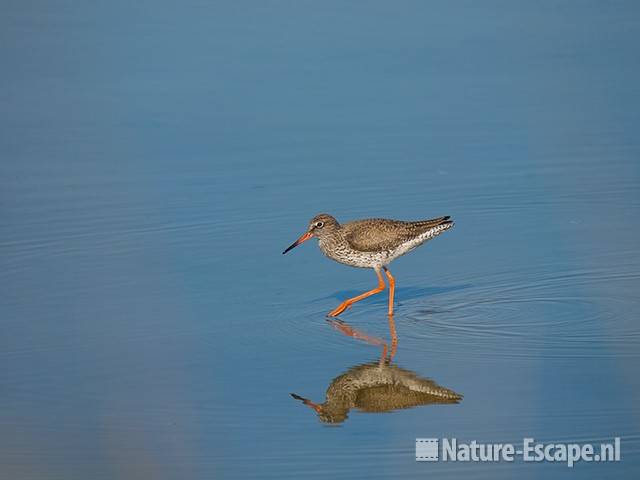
{"x": 157, "y": 157}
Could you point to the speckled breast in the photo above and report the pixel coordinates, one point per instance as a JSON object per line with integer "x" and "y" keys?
{"x": 341, "y": 252}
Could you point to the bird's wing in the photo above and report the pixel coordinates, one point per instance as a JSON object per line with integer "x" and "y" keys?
{"x": 384, "y": 398}
{"x": 381, "y": 234}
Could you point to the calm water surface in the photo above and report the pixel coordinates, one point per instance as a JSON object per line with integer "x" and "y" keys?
{"x": 156, "y": 159}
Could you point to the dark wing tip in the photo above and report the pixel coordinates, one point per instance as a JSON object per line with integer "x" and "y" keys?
{"x": 446, "y": 221}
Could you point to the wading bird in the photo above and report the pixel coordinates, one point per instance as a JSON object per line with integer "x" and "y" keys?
{"x": 371, "y": 243}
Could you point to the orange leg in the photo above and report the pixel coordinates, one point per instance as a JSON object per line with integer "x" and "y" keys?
{"x": 392, "y": 289}
{"x": 347, "y": 303}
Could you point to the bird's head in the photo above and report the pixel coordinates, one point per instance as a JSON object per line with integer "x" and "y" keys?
{"x": 326, "y": 414}
{"x": 320, "y": 226}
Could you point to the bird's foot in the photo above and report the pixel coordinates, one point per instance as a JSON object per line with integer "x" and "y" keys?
{"x": 339, "y": 309}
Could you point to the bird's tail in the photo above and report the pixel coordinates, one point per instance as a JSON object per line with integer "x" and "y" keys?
{"x": 433, "y": 227}
{"x": 434, "y": 222}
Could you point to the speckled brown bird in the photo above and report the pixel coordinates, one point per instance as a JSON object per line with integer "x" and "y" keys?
{"x": 375, "y": 387}
{"x": 370, "y": 243}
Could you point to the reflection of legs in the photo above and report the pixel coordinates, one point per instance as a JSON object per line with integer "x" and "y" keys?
{"x": 353, "y": 333}
{"x": 349, "y": 331}
{"x": 347, "y": 303}
{"x": 394, "y": 337}
{"x": 392, "y": 289}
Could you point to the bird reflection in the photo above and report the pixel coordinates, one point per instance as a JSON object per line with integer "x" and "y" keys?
{"x": 376, "y": 387}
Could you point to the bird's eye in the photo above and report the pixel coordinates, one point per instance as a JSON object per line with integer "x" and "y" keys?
{"x": 319, "y": 224}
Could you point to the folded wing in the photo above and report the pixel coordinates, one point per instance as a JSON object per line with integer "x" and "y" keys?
{"x": 382, "y": 234}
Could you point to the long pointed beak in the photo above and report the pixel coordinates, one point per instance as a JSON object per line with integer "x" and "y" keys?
{"x": 303, "y": 238}
{"x": 307, "y": 402}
